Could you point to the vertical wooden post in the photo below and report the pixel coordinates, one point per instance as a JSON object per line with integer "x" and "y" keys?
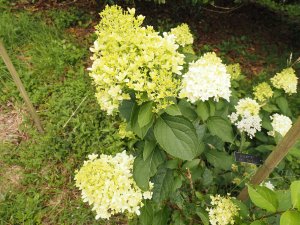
{"x": 274, "y": 158}
{"x": 20, "y": 86}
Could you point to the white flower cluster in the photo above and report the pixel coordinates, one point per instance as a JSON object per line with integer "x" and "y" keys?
{"x": 246, "y": 118}
{"x": 280, "y": 124}
{"x": 268, "y": 184}
{"x": 206, "y": 78}
{"x": 108, "y": 185}
{"x": 223, "y": 210}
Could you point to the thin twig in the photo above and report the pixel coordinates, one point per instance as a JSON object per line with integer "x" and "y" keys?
{"x": 73, "y": 114}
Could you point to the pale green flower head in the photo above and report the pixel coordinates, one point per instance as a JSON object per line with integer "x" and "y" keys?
{"x": 234, "y": 70}
{"x": 222, "y": 211}
{"x": 286, "y": 80}
{"x": 129, "y": 58}
{"x": 182, "y": 35}
{"x": 262, "y": 92}
{"x": 107, "y": 184}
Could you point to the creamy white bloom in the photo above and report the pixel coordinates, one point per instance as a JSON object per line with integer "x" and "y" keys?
{"x": 246, "y": 118}
{"x": 269, "y": 185}
{"x": 223, "y": 210}
{"x": 247, "y": 106}
{"x": 280, "y": 124}
{"x": 107, "y": 184}
{"x": 206, "y": 78}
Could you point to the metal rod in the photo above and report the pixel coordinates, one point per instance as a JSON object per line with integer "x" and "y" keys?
{"x": 274, "y": 158}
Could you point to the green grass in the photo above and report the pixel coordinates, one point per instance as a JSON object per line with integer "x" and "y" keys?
{"x": 52, "y": 66}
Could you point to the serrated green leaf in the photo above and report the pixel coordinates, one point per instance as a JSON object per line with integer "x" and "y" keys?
{"x": 187, "y": 110}
{"x": 163, "y": 187}
{"x": 284, "y": 199}
{"x": 144, "y": 169}
{"x": 244, "y": 211}
{"x": 161, "y": 217}
{"x": 147, "y": 214}
{"x": 200, "y": 130}
{"x": 139, "y": 131}
{"x": 202, "y": 110}
{"x": 283, "y": 105}
{"x": 290, "y": 218}
{"x": 191, "y": 164}
{"x": 207, "y": 177}
{"x": 212, "y": 108}
{"x": 145, "y": 115}
{"x": 270, "y": 108}
{"x": 172, "y": 164}
{"x": 177, "y": 136}
{"x": 173, "y": 110}
{"x": 220, "y": 127}
{"x": 203, "y": 216}
{"x": 295, "y": 194}
{"x": 264, "y": 198}
{"x": 266, "y": 123}
{"x": 220, "y": 160}
{"x": 126, "y": 108}
{"x": 148, "y": 149}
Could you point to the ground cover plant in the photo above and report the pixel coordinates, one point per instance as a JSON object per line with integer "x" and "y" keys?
{"x": 40, "y": 169}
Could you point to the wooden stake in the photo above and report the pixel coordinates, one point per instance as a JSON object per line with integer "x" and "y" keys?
{"x": 20, "y": 86}
{"x": 274, "y": 158}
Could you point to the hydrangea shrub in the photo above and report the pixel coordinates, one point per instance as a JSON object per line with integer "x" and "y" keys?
{"x": 187, "y": 118}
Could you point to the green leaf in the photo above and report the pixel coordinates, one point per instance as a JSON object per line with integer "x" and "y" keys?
{"x": 244, "y": 211}
{"x": 178, "y": 137}
{"x": 187, "y": 110}
{"x": 177, "y": 183}
{"x": 139, "y": 131}
{"x": 145, "y": 114}
{"x": 191, "y": 164}
{"x": 270, "y": 108}
{"x": 295, "y": 194}
{"x": 290, "y": 218}
{"x": 266, "y": 123}
{"x": 161, "y": 217}
{"x": 212, "y": 108}
{"x": 172, "y": 164}
{"x": 147, "y": 214}
{"x": 284, "y": 199}
{"x": 214, "y": 142}
{"x": 143, "y": 170}
{"x": 202, "y": 110}
{"x": 220, "y": 127}
{"x": 207, "y": 177}
{"x": 173, "y": 110}
{"x": 203, "y": 216}
{"x": 148, "y": 149}
{"x": 163, "y": 187}
{"x": 220, "y": 160}
{"x": 264, "y": 198}
{"x": 200, "y": 130}
{"x": 283, "y": 105}
{"x": 126, "y": 108}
